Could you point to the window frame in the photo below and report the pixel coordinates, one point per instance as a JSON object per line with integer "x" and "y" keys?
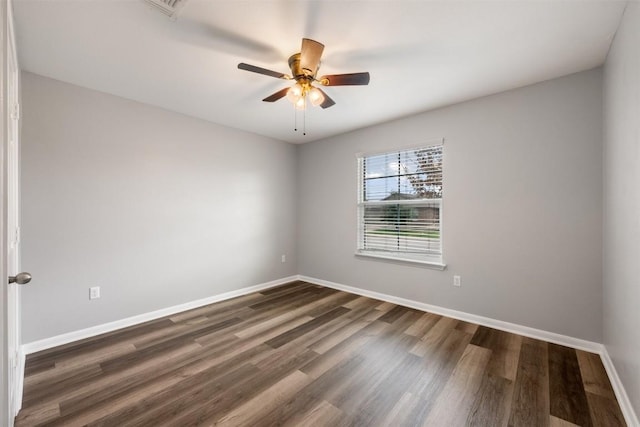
{"x": 427, "y": 260}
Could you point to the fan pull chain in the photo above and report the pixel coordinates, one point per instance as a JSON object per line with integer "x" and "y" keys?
{"x": 295, "y": 119}
{"x": 304, "y": 121}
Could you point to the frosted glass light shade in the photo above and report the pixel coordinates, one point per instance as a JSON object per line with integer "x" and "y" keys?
{"x": 316, "y": 97}
{"x": 294, "y": 94}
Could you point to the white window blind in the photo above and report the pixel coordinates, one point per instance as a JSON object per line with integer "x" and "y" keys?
{"x": 400, "y": 204}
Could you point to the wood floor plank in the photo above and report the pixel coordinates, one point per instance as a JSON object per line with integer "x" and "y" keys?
{"x": 289, "y": 315}
{"x": 368, "y": 386}
{"x": 605, "y": 412}
{"x": 182, "y": 331}
{"x": 558, "y": 422}
{"x": 439, "y": 363}
{"x": 436, "y": 369}
{"x": 505, "y": 350}
{"x": 170, "y": 399}
{"x": 344, "y": 351}
{"x": 38, "y": 415}
{"x": 454, "y": 404}
{"x": 333, "y": 381}
{"x": 302, "y": 354}
{"x": 305, "y": 328}
{"x": 98, "y": 356}
{"x": 531, "y": 390}
{"x": 82, "y": 347}
{"x": 275, "y": 300}
{"x": 394, "y": 314}
{"x": 326, "y": 343}
{"x": 52, "y": 388}
{"x": 594, "y": 376}
{"x": 566, "y": 389}
{"x": 328, "y": 330}
{"x": 386, "y": 390}
{"x": 191, "y": 386}
{"x": 220, "y": 404}
{"x": 321, "y": 414}
{"x": 221, "y": 307}
{"x": 360, "y": 301}
{"x": 85, "y": 395}
{"x": 421, "y": 326}
{"x": 122, "y": 381}
{"x": 362, "y": 370}
{"x": 434, "y": 336}
{"x": 400, "y": 414}
{"x": 295, "y": 285}
{"x": 338, "y": 299}
{"x": 470, "y": 328}
{"x": 250, "y": 412}
{"x": 385, "y": 306}
{"x": 492, "y": 405}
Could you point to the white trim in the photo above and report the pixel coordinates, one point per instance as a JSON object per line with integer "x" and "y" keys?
{"x": 12, "y": 119}
{"x": 431, "y": 142}
{"x": 526, "y": 331}
{"x": 421, "y": 262}
{"x": 425, "y": 258}
{"x": 418, "y": 202}
{"x": 57, "y": 340}
{"x": 621, "y": 394}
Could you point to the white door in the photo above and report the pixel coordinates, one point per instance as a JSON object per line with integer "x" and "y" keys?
{"x": 15, "y": 358}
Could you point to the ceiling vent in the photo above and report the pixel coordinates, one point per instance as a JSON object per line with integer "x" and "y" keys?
{"x": 168, "y": 7}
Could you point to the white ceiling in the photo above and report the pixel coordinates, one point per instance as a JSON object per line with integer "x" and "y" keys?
{"x": 421, "y": 54}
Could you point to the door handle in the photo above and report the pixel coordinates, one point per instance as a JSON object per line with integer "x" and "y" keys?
{"x": 20, "y": 278}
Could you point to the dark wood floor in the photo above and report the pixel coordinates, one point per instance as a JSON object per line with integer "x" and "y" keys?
{"x": 304, "y": 355}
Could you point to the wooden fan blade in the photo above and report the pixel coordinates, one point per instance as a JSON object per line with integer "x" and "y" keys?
{"x": 328, "y": 102}
{"x": 345, "y": 79}
{"x": 259, "y": 70}
{"x": 310, "y": 55}
{"x": 279, "y": 94}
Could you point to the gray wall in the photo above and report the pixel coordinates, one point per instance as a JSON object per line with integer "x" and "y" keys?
{"x": 160, "y": 209}
{"x": 522, "y": 207}
{"x": 622, "y": 203}
{"x": 156, "y": 208}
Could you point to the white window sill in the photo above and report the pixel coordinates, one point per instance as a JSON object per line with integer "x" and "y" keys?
{"x": 428, "y": 264}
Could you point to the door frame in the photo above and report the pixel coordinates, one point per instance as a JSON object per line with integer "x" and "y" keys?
{"x": 4, "y": 286}
{"x": 11, "y": 356}
{"x": 16, "y": 357}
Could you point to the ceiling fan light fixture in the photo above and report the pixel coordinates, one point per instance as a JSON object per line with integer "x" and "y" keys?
{"x": 294, "y": 94}
{"x": 304, "y": 67}
{"x": 315, "y": 96}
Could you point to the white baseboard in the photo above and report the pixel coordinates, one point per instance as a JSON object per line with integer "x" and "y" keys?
{"x": 467, "y": 317}
{"x": 628, "y": 412}
{"x": 593, "y": 347}
{"x": 57, "y": 340}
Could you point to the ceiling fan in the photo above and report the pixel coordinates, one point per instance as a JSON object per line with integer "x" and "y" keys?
{"x": 304, "y": 67}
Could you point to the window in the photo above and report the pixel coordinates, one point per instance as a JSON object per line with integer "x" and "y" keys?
{"x": 400, "y": 205}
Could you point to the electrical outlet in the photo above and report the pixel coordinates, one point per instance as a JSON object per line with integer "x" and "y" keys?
{"x": 456, "y": 281}
{"x": 283, "y": 258}
{"x": 94, "y": 292}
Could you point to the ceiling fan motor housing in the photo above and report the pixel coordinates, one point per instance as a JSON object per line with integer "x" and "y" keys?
{"x": 298, "y": 72}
